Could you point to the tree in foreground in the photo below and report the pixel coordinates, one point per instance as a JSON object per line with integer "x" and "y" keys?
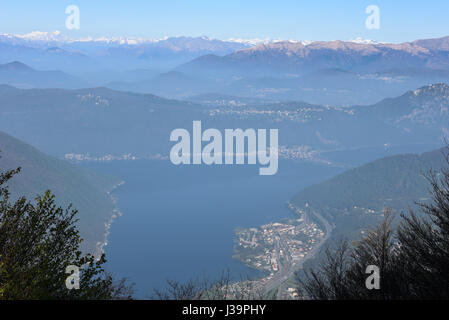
{"x": 413, "y": 260}
{"x": 223, "y": 288}
{"x": 38, "y": 241}
{"x": 425, "y": 243}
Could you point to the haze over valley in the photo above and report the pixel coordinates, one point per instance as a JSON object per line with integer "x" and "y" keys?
{"x": 91, "y": 119}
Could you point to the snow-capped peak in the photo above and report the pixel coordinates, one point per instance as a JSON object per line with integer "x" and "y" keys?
{"x": 42, "y": 36}
{"x": 363, "y": 41}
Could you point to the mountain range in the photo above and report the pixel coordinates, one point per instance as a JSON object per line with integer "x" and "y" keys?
{"x": 295, "y": 57}
{"x": 334, "y": 72}
{"x": 325, "y": 98}
{"x": 338, "y": 73}
{"x": 22, "y": 76}
{"x": 43, "y": 50}
{"x": 101, "y": 121}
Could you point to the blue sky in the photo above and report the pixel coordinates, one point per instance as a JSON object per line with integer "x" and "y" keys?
{"x": 401, "y": 20}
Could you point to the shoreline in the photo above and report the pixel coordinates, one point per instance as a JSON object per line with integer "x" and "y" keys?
{"x": 116, "y": 213}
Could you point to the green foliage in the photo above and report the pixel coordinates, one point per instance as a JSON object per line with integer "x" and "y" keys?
{"x": 394, "y": 182}
{"x": 38, "y": 241}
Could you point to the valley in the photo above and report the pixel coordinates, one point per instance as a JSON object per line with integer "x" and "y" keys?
{"x": 141, "y": 136}
{"x": 91, "y": 136}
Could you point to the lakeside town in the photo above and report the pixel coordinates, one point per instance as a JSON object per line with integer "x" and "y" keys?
{"x": 301, "y": 152}
{"x": 276, "y": 248}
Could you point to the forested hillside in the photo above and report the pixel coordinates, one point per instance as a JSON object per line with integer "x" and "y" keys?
{"x": 356, "y": 199}
{"x": 86, "y": 190}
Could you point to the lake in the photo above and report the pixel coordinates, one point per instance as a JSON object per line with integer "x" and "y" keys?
{"x": 178, "y": 221}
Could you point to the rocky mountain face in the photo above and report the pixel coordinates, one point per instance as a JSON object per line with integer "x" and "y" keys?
{"x": 426, "y": 106}
{"x": 287, "y": 56}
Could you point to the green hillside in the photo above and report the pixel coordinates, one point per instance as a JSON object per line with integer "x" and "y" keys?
{"x": 356, "y": 199}
{"x": 86, "y": 190}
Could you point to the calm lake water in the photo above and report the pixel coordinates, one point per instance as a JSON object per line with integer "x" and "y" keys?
{"x": 178, "y": 221}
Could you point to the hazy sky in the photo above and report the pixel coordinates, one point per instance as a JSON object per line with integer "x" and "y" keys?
{"x": 400, "y": 20}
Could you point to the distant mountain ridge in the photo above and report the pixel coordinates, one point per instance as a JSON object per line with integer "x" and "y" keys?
{"x": 98, "y": 121}
{"x": 324, "y": 72}
{"x": 52, "y": 50}
{"x": 321, "y": 72}
{"x": 286, "y": 56}
{"x": 355, "y": 201}
{"x": 22, "y": 76}
{"x": 46, "y": 39}
{"x": 101, "y": 121}
{"x": 426, "y": 106}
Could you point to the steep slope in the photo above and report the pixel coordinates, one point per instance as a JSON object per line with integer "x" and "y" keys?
{"x": 433, "y": 99}
{"x": 86, "y": 190}
{"x": 355, "y": 199}
{"x": 420, "y": 113}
